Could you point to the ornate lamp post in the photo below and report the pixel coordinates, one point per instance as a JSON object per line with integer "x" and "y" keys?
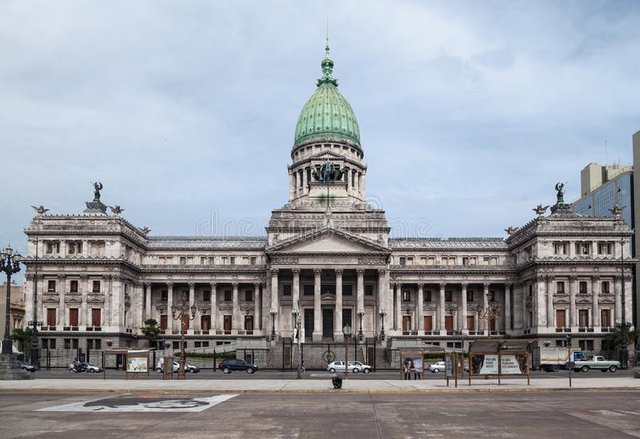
{"x": 382, "y": 316}
{"x": 184, "y": 313}
{"x": 9, "y": 264}
{"x": 296, "y": 322}
{"x": 35, "y": 323}
{"x": 490, "y": 313}
{"x": 360, "y": 314}
{"x": 273, "y": 313}
{"x": 346, "y": 330}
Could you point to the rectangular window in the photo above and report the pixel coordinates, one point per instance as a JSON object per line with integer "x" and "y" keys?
{"x": 51, "y": 317}
{"x": 583, "y": 318}
{"x": 583, "y": 288}
{"x": 470, "y": 296}
{"x": 448, "y": 296}
{"x": 448, "y": 323}
{"x": 51, "y": 286}
{"x": 248, "y": 296}
{"x": 228, "y": 295}
{"x": 253, "y": 260}
{"x": 52, "y": 247}
{"x": 205, "y": 323}
{"x": 73, "y": 286}
{"x": 471, "y": 323}
{"x": 96, "y": 286}
{"x": 583, "y": 248}
{"x": 585, "y": 345}
{"x": 163, "y": 322}
{"x": 406, "y": 296}
{"x": 402, "y": 261}
{"x": 368, "y": 290}
{"x": 561, "y": 321}
{"x": 232, "y": 260}
{"x": 286, "y": 289}
{"x": 347, "y": 290}
{"x": 560, "y": 287}
{"x": 469, "y": 260}
{"x": 183, "y": 260}
{"x": 227, "y": 323}
{"x": 248, "y": 323}
{"x": 206, "y": 296}
{"x": 605, "y": 318}
{"x": 67, "y": 343}
{"x": 428, "y": 296}
{"x": 164, "y": 295}
{"x": 204, "y": 261}
{"x": 73, "y": 316}
{"x": 560, "y": 248}
{"x": 96, "y": 317}
{"x": 605, "y": 287}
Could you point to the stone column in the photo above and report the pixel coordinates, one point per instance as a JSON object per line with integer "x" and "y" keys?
{"x": 337, "y": 327}
{"x": 595, "y": 291}
{"x": 84, "y": 318}
{"x": 192, "y": 301}
{"x": 170, "y": 324}
{"x": 147, "y": 304}
{"x": 360, "y": 289}
{"x": 317, "y": 311}
{"x": 549, "y": 288}
{"x": 274, "y": 296}
{"x": 399, "y": 308}
{"x": 235, "y": 314}
{"x": 463, "y": 309}
{"x": 540, "y": 314}
{"x": 485, "y": 305}
{"x": 214, "y": 307}
{"x": 257, "y": 317}
{"x": 420, "y": 309}
{"x": 507, "y": 307}
{"x": 296, "y": 288}
{"x": 28, "y": 298}
{"x": 441, "y": 302}
{"x": 618, "y": 306}
{"x": 573, "y": 285}
{"x": 61, "y": 287}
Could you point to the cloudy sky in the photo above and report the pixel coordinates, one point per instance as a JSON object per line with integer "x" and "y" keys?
{"x": 469, "y": 112}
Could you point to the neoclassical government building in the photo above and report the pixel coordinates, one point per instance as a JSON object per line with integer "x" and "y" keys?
{"x": 326, "y": 260}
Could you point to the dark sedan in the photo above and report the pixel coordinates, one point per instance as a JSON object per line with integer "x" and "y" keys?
{"x": 231, "y": 364}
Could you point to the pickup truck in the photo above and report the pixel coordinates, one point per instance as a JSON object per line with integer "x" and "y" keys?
{"x": 597, "y": 362}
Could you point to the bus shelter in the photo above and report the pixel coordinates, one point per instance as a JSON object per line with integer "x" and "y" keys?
{"x": 498, "y": 358}
{"x": 413, "y": 362}
{"x": 135, "y": 361}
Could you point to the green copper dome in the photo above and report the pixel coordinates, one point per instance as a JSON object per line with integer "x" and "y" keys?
{"x": 327, "y": 115}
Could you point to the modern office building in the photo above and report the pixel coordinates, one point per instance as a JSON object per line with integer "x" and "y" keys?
{"x": 327, "y": 261}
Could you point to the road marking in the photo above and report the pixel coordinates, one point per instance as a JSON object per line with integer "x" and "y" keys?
{"x": 130, "y": 403}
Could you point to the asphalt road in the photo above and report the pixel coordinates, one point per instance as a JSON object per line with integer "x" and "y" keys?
{"x": 547, "y": 414}
{"x": 311, "y": 374}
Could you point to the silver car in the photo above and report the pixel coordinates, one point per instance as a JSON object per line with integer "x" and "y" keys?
{"x": 354, "y": 367}
{"x": 436, "y": 367}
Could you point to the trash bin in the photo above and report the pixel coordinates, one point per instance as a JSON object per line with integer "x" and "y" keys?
{"x": 337, "y": 382}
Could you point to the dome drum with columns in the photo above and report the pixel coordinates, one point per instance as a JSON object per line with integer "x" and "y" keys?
{"x": 327, "y": 258}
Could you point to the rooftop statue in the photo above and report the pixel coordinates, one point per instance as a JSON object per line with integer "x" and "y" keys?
{"x": 40, "y": 210}
{"x": 97, "y": 188}
{"x": 540, "y": 209}
{"x": 560, "y": 193}
{"x": 328, "y": 173}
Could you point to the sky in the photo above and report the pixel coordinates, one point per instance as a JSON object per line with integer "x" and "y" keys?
{"x": 469, "y": 111}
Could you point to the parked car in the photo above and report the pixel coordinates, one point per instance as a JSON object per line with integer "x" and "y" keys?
{"x": 26, "y": 366}
{"x": 176, "y": 367}
{"x": 596, "y": 362}
{"x": 84, "y": 367}
{"x": 354, "y": 367}
{"x": 438, "y": 366}
{"x": 230, "y": 364}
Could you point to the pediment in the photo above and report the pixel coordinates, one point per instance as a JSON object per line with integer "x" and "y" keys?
{"x": 328, "y": 241}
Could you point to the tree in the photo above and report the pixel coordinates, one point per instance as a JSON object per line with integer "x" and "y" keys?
{"x": 23, "y": 337}
{"x": 150, "y": 329}
{"x": 616, "y": 335}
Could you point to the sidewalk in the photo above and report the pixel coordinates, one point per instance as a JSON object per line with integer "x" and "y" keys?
{"x": 315, "y": 385}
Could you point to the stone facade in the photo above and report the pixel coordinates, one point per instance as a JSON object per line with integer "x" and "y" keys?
{"x": 327, "y": 258}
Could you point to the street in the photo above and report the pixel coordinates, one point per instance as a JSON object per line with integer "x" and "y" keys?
{"x": 543, "y": 414}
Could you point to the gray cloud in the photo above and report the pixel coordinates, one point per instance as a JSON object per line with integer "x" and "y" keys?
{"x": 469, "y": 111}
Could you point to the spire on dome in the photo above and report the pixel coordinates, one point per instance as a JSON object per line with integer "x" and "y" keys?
{"x": 327, "y": 67}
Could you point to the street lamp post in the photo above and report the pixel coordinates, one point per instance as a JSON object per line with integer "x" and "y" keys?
{"x": 184, "y": 313}
{"x": 9, "y": 264}
{"x": 296, "y": 321}
{"x": 360, "y": 314}
{"x": 346, "y": 330}
{"x": 382, "y": 315}
{"x": 35, "y": 323}
{"x": 623, "y": 335}
{"x": 273, "y": 313}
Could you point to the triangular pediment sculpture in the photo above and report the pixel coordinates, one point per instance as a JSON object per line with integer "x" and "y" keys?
{"x": 328, "y": 240}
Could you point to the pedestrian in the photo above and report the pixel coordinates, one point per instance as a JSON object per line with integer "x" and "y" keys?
{"x": 405, "y": 370}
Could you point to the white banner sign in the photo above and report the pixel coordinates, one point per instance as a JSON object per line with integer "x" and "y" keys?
{"x": 510, "y": 365}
